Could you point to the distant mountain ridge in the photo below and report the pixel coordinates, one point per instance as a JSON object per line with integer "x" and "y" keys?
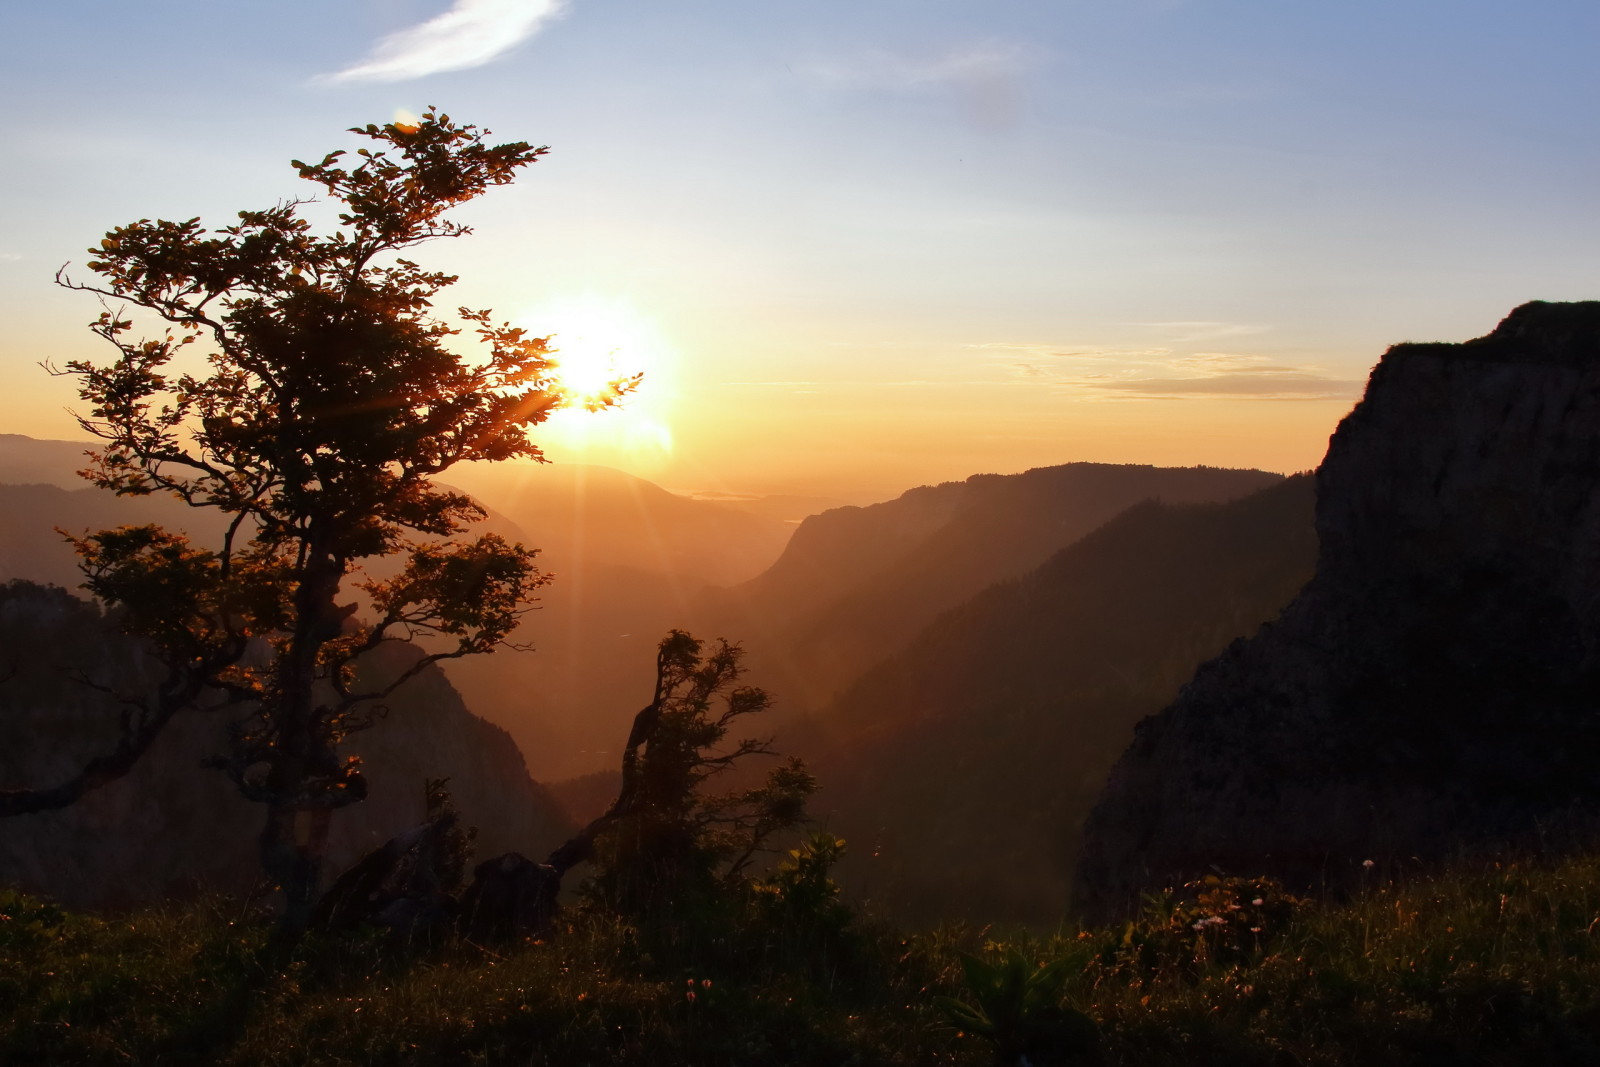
{"x": 630, "y": 561}
{"x": 856, "y": 584}
{"x": 34, "y": 461}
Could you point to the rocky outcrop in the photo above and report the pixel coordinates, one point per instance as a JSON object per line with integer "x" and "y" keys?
{"x": 173, "y": 827}
{"x": 1433, "y": 689}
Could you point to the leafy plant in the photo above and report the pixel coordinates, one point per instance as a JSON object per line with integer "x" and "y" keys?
{"x": 1018, "y": 1008}
{"x": 799, "y": 890}
{"x": 1213, "y": 921}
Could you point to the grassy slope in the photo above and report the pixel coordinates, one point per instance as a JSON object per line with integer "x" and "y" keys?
{"x": 1493, "y": 966}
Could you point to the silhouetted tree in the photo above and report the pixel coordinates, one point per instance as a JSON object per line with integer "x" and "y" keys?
{"x": 319, "y": 399}
{"x": 663, "y": 839}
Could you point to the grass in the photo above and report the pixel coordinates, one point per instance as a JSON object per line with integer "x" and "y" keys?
{"x": 1489, "y": 966}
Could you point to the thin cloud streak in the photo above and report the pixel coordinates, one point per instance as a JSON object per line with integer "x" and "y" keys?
{"x": 470, "y": 34}
{"x": 1275, "y": 384}
{"x": 983, "y": 62}
{"x": 1161, "y": 374}
{"x": 986, "y": 77}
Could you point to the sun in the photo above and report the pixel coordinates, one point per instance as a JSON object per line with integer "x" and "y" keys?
{"x": 597, "y": 342}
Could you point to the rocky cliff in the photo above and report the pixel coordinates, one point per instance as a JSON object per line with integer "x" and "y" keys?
{"x": 1433, "y": 689}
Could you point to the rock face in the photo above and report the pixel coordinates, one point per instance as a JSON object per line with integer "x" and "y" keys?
{"x": 1433, "y": 689}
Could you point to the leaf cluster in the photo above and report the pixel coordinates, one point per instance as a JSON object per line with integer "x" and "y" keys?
{"x": 1017, "y": 1006}
{"x": 672, "y": 840}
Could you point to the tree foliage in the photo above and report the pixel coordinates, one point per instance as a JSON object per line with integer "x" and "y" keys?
{"x": 302, "y": 385}
{"x": 666, "y": 841}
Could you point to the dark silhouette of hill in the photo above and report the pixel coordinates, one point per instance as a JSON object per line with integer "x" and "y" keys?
{"x": 32, "y": 549}
{"x": 962, "y": 767}
{"x": 855, "y": 584}
{"x": 1433, "y": 689}
{"x": 173, "y": 827}
{"x": 27, "y": 460}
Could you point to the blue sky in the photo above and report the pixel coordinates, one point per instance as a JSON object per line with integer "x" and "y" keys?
{"x": 866, "y": 245}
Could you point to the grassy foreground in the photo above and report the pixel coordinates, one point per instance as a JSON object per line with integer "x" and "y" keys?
{"x": 1494, "y": 966}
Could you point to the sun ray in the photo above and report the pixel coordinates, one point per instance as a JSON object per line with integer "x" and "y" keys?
{"x": 599, "y": 342}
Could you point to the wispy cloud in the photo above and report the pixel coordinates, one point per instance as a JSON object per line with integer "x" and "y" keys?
{"x": 984, "y": 76}
{"x": 1163, "y": 374}
{"x": 1261, "y": 383}
{"x": 876, "y": 67}
{"x": 1187, "y": 332}
{"x": 470, "y": 34}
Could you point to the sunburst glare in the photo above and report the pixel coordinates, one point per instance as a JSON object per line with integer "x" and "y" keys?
{"x": 599, "y": 341}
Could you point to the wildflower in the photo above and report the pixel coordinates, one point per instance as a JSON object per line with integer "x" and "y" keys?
{"x": 689, "y": 996}
{"x": 1258, "y": 902}
{"x": 705, "y": 983}
{"x": 1367, "y": 864}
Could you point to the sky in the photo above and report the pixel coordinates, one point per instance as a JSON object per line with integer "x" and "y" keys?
{"x": 856, "y": 247}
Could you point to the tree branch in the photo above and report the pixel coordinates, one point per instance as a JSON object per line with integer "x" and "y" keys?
{"x": 177, "y": 692}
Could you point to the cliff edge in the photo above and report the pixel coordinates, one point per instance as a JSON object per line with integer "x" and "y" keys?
{"x": 1433, "y": 689}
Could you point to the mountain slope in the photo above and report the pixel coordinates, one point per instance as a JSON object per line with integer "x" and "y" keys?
{"x": 963, "y": 767}
{"x": 630, "y": 561}
{"x": 172, "y": 826}
{"x": 855, "y": 584}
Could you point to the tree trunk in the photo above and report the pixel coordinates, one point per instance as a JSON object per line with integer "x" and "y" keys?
{"x": 295, "y": 838}
{"x": 293, "y": 843}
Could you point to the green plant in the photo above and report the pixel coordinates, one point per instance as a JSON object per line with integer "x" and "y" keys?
{"x": 667, "y": 847}
{"x": 1214, "y": 921}
{"x": 1017, "y": 1007}
{"x": 800, "y": 891}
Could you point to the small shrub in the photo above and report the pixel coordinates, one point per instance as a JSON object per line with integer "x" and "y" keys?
{"x": 1215, "y": 921}
{"x": 1018, "y": 1008}
{"x": 799, "y": 891}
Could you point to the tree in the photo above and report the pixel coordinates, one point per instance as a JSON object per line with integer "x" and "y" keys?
{"x": 663, "y": 843}
{"x": 302, "y": 386}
